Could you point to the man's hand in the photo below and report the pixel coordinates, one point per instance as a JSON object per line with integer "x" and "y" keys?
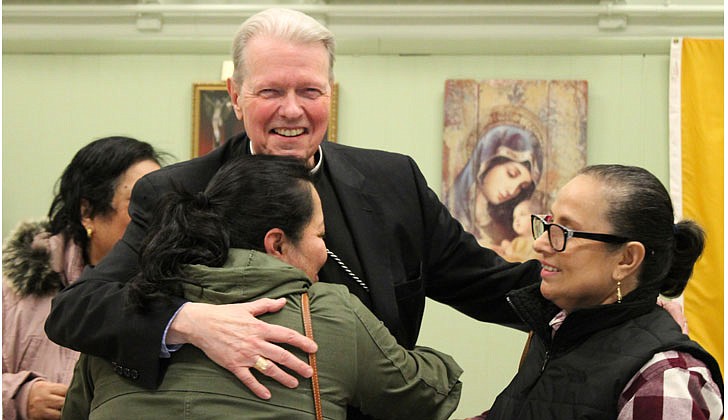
{"x": 232, "y": 337}
{"x": 45, "y": 400}
{"x": 675, "y": 309}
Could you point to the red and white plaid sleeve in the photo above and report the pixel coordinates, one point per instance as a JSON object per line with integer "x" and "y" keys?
{"x": 672, "y": 385}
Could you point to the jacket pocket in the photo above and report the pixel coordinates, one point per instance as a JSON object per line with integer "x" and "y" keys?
{"x": 29, "y": 354}
{"x": 413, "y": 286}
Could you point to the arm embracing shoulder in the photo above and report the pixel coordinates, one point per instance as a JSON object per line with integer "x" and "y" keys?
{"x": 395, "y": 383}
{"x": 91, "y": 316}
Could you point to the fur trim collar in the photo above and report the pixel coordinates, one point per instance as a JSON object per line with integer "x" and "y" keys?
{"x": 27, "y": 261}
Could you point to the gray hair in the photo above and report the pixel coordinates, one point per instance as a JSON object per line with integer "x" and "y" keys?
{"x": 285, "y": 24}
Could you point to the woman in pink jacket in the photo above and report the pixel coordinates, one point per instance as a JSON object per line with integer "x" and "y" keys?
{"x": 87, "y": 217}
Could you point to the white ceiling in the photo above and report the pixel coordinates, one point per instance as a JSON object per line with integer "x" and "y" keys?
{"x": 363, "y": 27}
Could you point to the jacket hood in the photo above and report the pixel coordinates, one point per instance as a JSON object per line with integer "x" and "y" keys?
{"x": 27, "y": 264}
{"x": 246, "y": 275}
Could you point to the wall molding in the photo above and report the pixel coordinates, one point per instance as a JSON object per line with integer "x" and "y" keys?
{"x": 364, "y": 28}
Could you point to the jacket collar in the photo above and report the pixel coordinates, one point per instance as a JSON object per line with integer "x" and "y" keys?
{"x": 318, "y": 157}
{"x": 537, "y": 311}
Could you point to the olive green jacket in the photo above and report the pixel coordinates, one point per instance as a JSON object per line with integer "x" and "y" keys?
{"x": 359, "y": 361}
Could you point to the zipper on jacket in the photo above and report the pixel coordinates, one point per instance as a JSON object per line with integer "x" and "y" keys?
{"x": 547, "y": 355}
{"x": 546, "y": 359}
{"x": 508, "y": 299}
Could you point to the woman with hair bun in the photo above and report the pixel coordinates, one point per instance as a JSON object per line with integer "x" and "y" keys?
{"x": 87, "y": 217}
{"x": 602, "y": 347}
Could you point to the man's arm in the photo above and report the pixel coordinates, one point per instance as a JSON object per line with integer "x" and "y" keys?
{"x": 92, "y": 316}
{"x": 462, "y": 274}
{"x": 232, "y": 337}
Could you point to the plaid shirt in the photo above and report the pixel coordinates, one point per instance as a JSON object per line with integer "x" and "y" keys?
{"x": 672, "y": 385}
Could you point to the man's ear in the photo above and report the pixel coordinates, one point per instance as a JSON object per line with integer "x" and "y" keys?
{"x": 234, "y": 92}
{"x": 631, "y": 258}
{"x": 274, "y": 241}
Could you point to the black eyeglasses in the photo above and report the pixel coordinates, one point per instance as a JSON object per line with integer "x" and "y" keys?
{"x": 558, "y": 234}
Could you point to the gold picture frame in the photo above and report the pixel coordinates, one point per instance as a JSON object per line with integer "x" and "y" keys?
{"x": 214, "y": 121}
{"x": 332, "y": 133}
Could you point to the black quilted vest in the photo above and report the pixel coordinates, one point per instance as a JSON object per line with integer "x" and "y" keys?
{"x": 581, "y": 372}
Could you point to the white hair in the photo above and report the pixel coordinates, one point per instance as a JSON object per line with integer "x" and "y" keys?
{"x": 286, "y": 24}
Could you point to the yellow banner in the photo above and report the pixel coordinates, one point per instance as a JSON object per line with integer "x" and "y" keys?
{"x": 701, "y": 121}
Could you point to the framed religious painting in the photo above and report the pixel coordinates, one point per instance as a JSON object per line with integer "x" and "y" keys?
{"x": 508, "y": 146}
{"x": 213, "y": 118}
{"x": 214, "y": 121}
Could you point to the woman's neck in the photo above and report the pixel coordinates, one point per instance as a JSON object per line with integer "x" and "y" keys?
{"x": 93, "y": 254}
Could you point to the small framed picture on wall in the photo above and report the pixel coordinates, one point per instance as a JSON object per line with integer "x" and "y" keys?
{"x": 214, "y": 121}
{"x": 213, "y": 118}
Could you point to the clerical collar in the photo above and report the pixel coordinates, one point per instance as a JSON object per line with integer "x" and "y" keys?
{"x": 319, "y": 157}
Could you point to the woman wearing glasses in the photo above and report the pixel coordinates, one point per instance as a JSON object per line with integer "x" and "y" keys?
{"x": 602, "y": 348}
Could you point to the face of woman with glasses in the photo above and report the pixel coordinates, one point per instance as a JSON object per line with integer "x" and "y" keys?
{"x": 584, "y": 273}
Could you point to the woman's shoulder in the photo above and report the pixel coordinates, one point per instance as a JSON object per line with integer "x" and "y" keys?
{"x": 676, "y": 360}
{"x": 335, "y": 306}
{"x": 655, "y": 384}
{"x": 341, "y": 309}
{"x": 329, "y": 293}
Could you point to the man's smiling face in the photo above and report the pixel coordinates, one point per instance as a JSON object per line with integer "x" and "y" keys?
{"x": 285, "y": 96}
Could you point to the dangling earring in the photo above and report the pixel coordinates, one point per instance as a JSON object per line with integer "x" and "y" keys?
{"x": 619, "y": 291}
{"x": 89, "y": 232}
